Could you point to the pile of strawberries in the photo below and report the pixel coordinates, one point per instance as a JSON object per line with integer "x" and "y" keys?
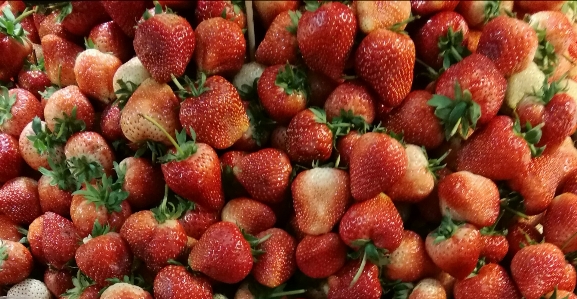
{"x": 288, "y": 149}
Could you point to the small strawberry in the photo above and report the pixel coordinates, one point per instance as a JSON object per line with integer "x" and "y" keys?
{"x": 495, "y": 246}
{"x": 174, "y": 282}
{"x": 110, "y": 123}
{"x": 127, "y": 77}
{"x": 94, "y": 71}
{"x": 521, "y": 235}
{"x": 559, "y": 224}
{"x": 9, "y": 229}
{"x": 320, "y": 198}
{"x": 478, "y": 13}
{"x": 59, "y": 59}
{"x": 58, "y": 281}
{"x": 33, "y": 78}
{"x": 454, "y": 248}
{"x": 65, "y": 106}
{"x": 37, "y": 144}
{"x": 345, "y": 146}
{"x": 373, "y": 15}
{"x": 126, "y": 291}
{"x": 17, "y": 108}
{"x": 15, "y": 262}
{"x": 409, "y": 262}
{"x": 125, "y": 14}
{"x": 250, "y": 215}
{"x": 143, "y": 182}
{"x": 428, "y": 288}
{"x": 55, "y": 188}
{"x": 348, "y": 284}
{"x": 538, "y": 269}
{"x": 280, "y": 45}
{"x": 325, "y": 37}
{"x": 269, "y": 10}
{"x": 282, "y": 91}
{"x": 352, "y": 98}
{"x": 277, "y": 264}
{"x": 83, "y": 288}
{"x": 491, "y": 281}
{"x": 227, "y": 9}
{"x": 220, "y": 47}
{"x": 422, "y": 8}
{"x": 90, "y": 147}
{"x": 11, "y": 161}
{"x": 59, "y": 240}
{"x": 327, "y": 250}
{"x": 109, "y": 38}
{"x": 164, "y": 43}
{"x": 265, "y": 175}
{"x": 19, "y": 200}
{"x": 13, "y": 40}
{"x": 196, "y": 221}
{"x": 309, "y": 137}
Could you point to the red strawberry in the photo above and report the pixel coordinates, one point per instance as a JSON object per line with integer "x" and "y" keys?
{"x": 569, "y": 279}
{"x": 347, "y": 284}
{"x": 560, "y": 224}
{"x": 19, "y": 107}
{"x": 538, "y": 269}
{"x": 478, "y": 13}
{"x": 59, "y": 59}
{"x": 373, "y": 15}
{"x": 59, "y": 240}
{"x": 320, "y": 198}
{"x": 560, "y": 118}
{"x": 473, "y": 41}
{"x": 19, "y": 200}
{"x": 33, "y": 78}
{"x": 280, "y": 45}
{"x": 560, "y": 293}
{"x": 510, "y": 43}
{"x": 250, "y": 215}
{"x": 345, "y": 146}
{"x": 13, "y": 42}
{"x": 279, "y": 139}
{"x": 556, "y": 27}
{"x": 465, "y": 196}
{"x": 143, "y": 182}
{"x": 282, "y": 91}
{"x": 492, "y": 281}
{"x": 229, "y": 10}
{"x": 353, "y": 97}
{"x": 495, "y": 247}
{"x": 214, "y": 111}
{"x": 49, "y": 24}
{"x": 521, "y": 235}
{"x": 454, "y": 248}
{"x": 325, "y": 37}
{"x": 11, "y": 161}
{"x": 58, "y": 281}
{"x": 421, "y": 8}
{"x": 532, "y": 7}
{"x": 174, "y": 282}
{"x": 409, "y": 262}
{"x": 110, "y": 123}
{"x": 222, "y": 254}
{"x": 385, "y": 60}
{"x": 157, "y": 101}
{"x": 416, "y": 120}
{"x": 265, "y": 175}
{"x": 309, "y": 137}
{"x": 220, "y": 47}
{"x": 15, "y": 262}
{"x": 83, "y": 16}
{"x": 327, "y": 250}
{"x": 164, "y": 43}
{"x": 428, "y": 288}
{"x": 268, "y": 11}
{"x": 9, "y": 229}
{"x": 442, "y": 40}
{"x": 277, "y": 264}
{"x": 125, "y": 14}
{"x": 321, "y": 87}
{"x": 36, "y": 145}
{"x": 35, "y": 231}
{"x": 105, "y": 255}
{"x": 90, "y": 147}
{"x": 62, "y": 104}
{"x": 125, "y": 291}
{"x": 195, "y": 222}
{"x": 84, "y": 288}
{"x": 94, "y": 71}
{"x": 377, "y": 161}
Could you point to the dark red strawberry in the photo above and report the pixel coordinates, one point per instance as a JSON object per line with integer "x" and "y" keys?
{"x": 80, "y": 16}
{"x": 33, "y": 78}
{"x": 11, "y": 161}
{"x": 220, "y": 47}
{"x": 125, "y": 14}
{"x": 560, "y": 224}
{"x": 351, "y": 98}
{"x": 60, "y": 240}
{"x": 309, "y": 137}
{"x": 521, "y": 235}
{"x": 282, "y": 91}
{"x": 495, "y": 247}
{"x": 59, "y": 59}
{"x": 280, "y": 45}
{"x": 58, "y": 281}
{"x": 277, "y": 264}
{"x": 9, "y": 229}
{"x": 250, "y": 215}
{"x": 195, "y": 222}
{"x": 174, "y": 282}
{"x": 109, "y": 38}
{"x": 13, "y": 40}
{"x": 348, "y": 284}
{"x": 327, "y": 249}
{"x": 227, "y": 9}
{"x": 143, "y": 182}
{"x": 19, "y": 200}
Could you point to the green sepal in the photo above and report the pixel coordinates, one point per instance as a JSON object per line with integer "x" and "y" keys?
{"x": 3, "y": 253}
{"x": 43, "y": 140}
{"x": 254, "y": 243}
{"x": 187, "y": 147}
{"x": 295, "y": 16}
{"x": 99, "y": 229}
{"x": 312, "y": 5}
{"x": 532, "y": 135}
{"x": 126, "y": 90}
{"x": 546, "y": 93}
{"x": 89, "y": 43}
{"x": 451, "y": 48}
{"x": 397, "y": 26}
{"x": 292, "y": 79}
{"x": 38, "y": 66}
{"x": 400, "y": 289}
{"x": 171, "y": 210}
{"x": 545, "y": 57}
{"x": 554, "y": 294}
{"x": 60, "y": 175}
{"x": 259, "y": 291}
{"x": 492, "y": 10}
{"x": 49, "y": 91}
{"x": 7, "y": 101}
{"x": 446, "y": 230}
{"x": 480, "y": 264}
{"x": 511, "y": 201}
{"x": 105, "y": 193}
{"x": 157, "y": 10}
{"x": 64, "y": 11}
{"x": 435, "y": 164}
{"x": 81, "y": 282}
{"x": 68, "y": 125}
{"x": 155, "y": 148}
{"x": 189, "y": 88}
{"x": 83, "y": 170}
{"x": 10, "y": 25}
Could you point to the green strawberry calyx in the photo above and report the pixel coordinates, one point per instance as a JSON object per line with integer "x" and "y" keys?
{"x": 7, "y": 101}
{"x": 3, "y": 253}
{"x": 445, "y": 231}
{"x": 254, "y": 243}
{"x": 81, "y": 282}
{"x": 532, "y": 135}
{"x": 189, "y": 88}
{"x": 369, "y": 251}
{"x": 184, "y": 148}
{"x": 292, "y": 80}
{"x": 451, "y": 48}
{"x": 168, "y": 210}
{"x": 104, "y": 193}
{"x": 10, "y": 25}
{"x": 126, "y": 90}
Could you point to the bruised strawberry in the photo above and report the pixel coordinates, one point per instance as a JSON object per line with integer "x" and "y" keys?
{"x": 11, "y": 161}
{"x": 250, "y": 215}
{"x": 492, "y": 281}
{"x": 327, "y": 250}
{"x": 220, "y": 47}
{"x": 347, "y": 284}
{"x": 282, "y": 90}
{"x": 15, "y": 262}
{"x": 164, "y": 43}
{"x": 175, "y": 282}
{"x": 269, "y": 10}
{"x": 325, "y": 37}
{"x": 125, "y": 14}
{"x": 59, "y": 59}
{"x": 280, "y": 45}
{"x": 309, "y": 137}
{"x": 19, "y": 200}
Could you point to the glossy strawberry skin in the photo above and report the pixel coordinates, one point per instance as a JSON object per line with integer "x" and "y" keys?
{"x": 10, "y": 158}
{"x": 210, "y": 9}
{"x": 109, "y": 38}
{"x": 84, "y": 213}
{"x": 34, "y": 81}
{"x": 23, "y": 111}
{"x": 125, "y": 14}
{"x": 11, "y": 64}
{"x": 280, "y": 106}
{"x": 174, "y": 282}
{"x": 19, "y": 200}
{"x": 492, "y": 281}
{"x": 268, "y": 11}
{"x": 59, "y": 59}
{"x": 84, "y": 16}
{"x": 307, "y": 139}
{"x": 18, "y": 263}
{"x": 495, "y": 247}
{"x": 422, "y": 8}
{"x": 196, "y": 222}
{"x": 278, "y": 263}
{"x": 560, "y": 118}
{"x": 351, "y": 96}
{"x": 63, "y": 101}
{"x": 366, "y": 287}
{"x": 60, "y": 240}
{"x": 560, "y": 224}
{"x": 279, "y": 45}
{"x": 410, "y": 261}
{"x": 327, "y": 249}
{"x": 250, "y": 215}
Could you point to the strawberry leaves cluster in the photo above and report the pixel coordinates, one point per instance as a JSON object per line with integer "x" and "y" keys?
{"x": 10, "y": 25}
{"x": 6, "y": 103}
{"x": 106, "y": 193}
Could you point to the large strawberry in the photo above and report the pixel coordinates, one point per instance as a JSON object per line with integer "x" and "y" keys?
{"x": 12, "y": 40}
{"x": 174, "y": 282}
{"x": 125, "y": 14}
{"x": 164, "y": 43}
{"x": 143, "y": 182}
{"x": 59, "y": 240}
{"x": 325, "y": 37}
{"x": 327, "y": 250}
{"x": 559, "y": 224}
{"x": 220, "y": 47}
{"x": 214, "y": 111}
{"x": 280, "y": 45}
{"x": 410, "y": 261}
{"x": 15, "y": 262}
{"x": 277, "y": 264}
{"x": 491, "y": 281}
{"x": 59, "y": 59}
{"x": 19, "y": 200}
{"x": 33, "y": 78}
{"x": 309, "y": 137}
{"x": 94, "y": 71}
{"x": 17, "y": 108}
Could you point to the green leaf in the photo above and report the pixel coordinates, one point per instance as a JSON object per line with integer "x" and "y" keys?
{"x": 83, "y": 170}
{"x": 106, "y": 193}
{"x": 47, "y": 93}
{"x": 173, "y": 209}
{"x": 126, "y": 90}
{"x": 451, "y": 48}
{"x": 189, "y": 88}
{"x": 68, "y": 125}
{"x": 545, "y": 57}
{"x": 7, "y": 101}
{"x": 492, "y": 10}
{"x": 81, "y": 282}
{"x": 295, "y": 17}
{"x": 64, "y": 12}
{"x": 89, "y": 44}
{"x": 3, "y": 253}
{"x": 292, "y": 80}
{"x": 446, "y": 230}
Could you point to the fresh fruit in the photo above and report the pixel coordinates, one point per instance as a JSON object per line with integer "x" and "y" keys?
{"x": 19, "y": 200}
{"x": 15, "y": 262}
{"x": 220, "y": 47}
{"x": 174, "y": 282}
{"x": 327, "y": 249}
{"x": 10, "y": 158}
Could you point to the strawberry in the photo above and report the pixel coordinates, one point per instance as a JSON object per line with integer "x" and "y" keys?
{"x": 59, "y": 59}
{"x": 555, "y": 35}
{"x": 125, "y": 14}
{"x": 478, "y": 13}
{"x": 280, "y": 44}
{"x": 11, "y": 161}
{"x": 278, "y": 138}
{"x": 465, "y": 196}
{"x": 247, "y": 75}
{"x": 110, "y": 123}
{"x": 59, "y": 240}
{"x": 559, "y": 225}
{"x": 68, "y": 104}
{"x": 492, "y": 281}
{"x": 174, "y": 282}
{"x": 409, "y": 262}
{"x": 220, "y": 47}
{"x": 82, "y": 16}
{"x": 320, "y": 198}
{"x": 321, "y": 87}
{"x": 229, "y": 10}
{"x": 15, "y": 262}
{"x": 419, "y": 179}
{"x": 537, "y": 269}
{"x": 268, "y": 10}
{"x": 560, "y": 294}
{"x": 94, "y": 71}
{"x": 250, "y": 215}
{"x": 222, "y": 253}
{"x": 214, "y": 111}
{"x": 19, "y": 200}
{"x": 521, "y": 235}
{"x": 105, "y": 255}
{"x": 19, "y": 107}
{"x": 532, "y": 7}
{"x": 570, "y": 183}
{"x": 164, "y": 43}
{"x": 416, "y": 121}
{"x": 351, "y": 97}
{"x": 325, "y": 37}
{"x": 196, "y": 221}
{"x": 9, "y": 230}
{"x": 373, "y": 15}
{"x": 90, "y": 147}
{"x": 282, "y": 90}
{"x": 495, "y": 247}
{"x": 345, "y": 146}
{"x": 347, "y": 283}
{"x": 33, "y": 78}
{"x": 83, "y": 288}
{"x": 143, "y": 182}
{"x": 58, "y": 281}
{"x": 510, "y": 43}
{"x": 102, "y": 201}
{"x": 126, "y": 291}
{"x": 559, "y": 116}
{"x": 50, "y": 24}
{"x": 473, "y": 41}
{"x": 421, "y": 8}
{"x": 13, "y": 40}
{"x": 156, "y": 236}
{"x": 327, "y": 250}
{"x": 454, "y": 248}
{"x": 157, "y": 101}
{"x": 428, "y": 288}
{"x": 309, "y": 137}
{"x": 387, "y": 50}
{"x": 265, "y": 174}
{"x": 277, "y": 264}
{"x": 29, "y": 288}
{"x": 37, "y": 144}
{"x": 109, "y": 38}
{"x": 569, "y": 278}
{"x": 34, "y": 236}
{"x": 443, "y": 39}
{"x": 377, "y": 161}
{"x": 131, "y": 71}
{"x": 27, "y": 23}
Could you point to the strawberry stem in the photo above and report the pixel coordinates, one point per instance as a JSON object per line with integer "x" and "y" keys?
{"x": 360, "y": 271}
{"x": 161, "y": 128}
{"x": 288, "y": 293}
